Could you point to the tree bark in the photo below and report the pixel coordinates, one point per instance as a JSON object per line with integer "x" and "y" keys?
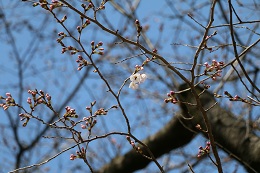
{"x": 229, "y": 132}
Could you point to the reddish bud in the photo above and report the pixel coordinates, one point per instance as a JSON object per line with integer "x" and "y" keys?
{"x": 100, "y": 43}
{"x": 29, "y": 100}
{"x": 83, "y": 126}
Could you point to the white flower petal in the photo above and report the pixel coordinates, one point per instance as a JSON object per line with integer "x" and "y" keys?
{"x": 135, "y": 77}
{"x": 133, "y": 85}
{"x": 143, "y": 77}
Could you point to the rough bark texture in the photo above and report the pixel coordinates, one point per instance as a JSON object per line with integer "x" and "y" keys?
{"x": 228, "y": 131}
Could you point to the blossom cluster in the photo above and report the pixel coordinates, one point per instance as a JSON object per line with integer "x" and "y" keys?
{"x": 70, "y": 112}
{"x": 213, "y": 69}
{"x": 81, "y": 62}
{"x": 90, "y": 122}
{"x": 97, "y": 49}
{"x": 42, "y": 98}
{"x": 171, "y": 98}
{"x": 79, "y": 154}
{"x": 137, "y": 79}
{"x": 205, "y": 150}
{"x": 9, "y": 101}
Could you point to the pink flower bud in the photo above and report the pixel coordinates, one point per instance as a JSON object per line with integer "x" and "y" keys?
{"x": 100, "y": 43}
{"x": 63, "y": 50}
{"x": 67, "y": 108}
{"x": 83, "y": 126}
{"x": 87, "y": 22}
{"x": 90, "y": 5}
{"x": 80, "y": 57}
{"x": 8, "y": 94}
{"x": 48, "y": 97}
{"x": 29, "y": 100}
{"x": 72, "y": 157}
{"x": 133, "y": 143}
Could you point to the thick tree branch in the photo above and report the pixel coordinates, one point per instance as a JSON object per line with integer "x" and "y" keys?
{"x": 229, "y": 133}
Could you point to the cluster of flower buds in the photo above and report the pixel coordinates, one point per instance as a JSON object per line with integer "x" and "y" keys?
{"x": 70, "y": 113}
{"x": 72, "y": 50}
{"x": 214, "y": 69}
{"x": 9, "y": 101}
{"x": 171, "y": 98}
{"x": 81, "y": 62}
{"x": 61, "y": 35}
{"x": 205, "y": 86}
{"x": 80, "y": 28}
{"x": 101, "y": 111}
{"x": 205, "y": 150}
{"x": 44, "y": 4}
{"x": 90, "y": 122}
{"x": 25, "y": 117}
{"x": 97, "y": 49}
{"x": 79, "y": 154}
{"x": 138, "y": 149}
{"x": 41, "y": 98}
{"x": 55, "y": 4}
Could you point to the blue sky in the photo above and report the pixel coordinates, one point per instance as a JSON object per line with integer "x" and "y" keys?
{"x": 44, "y": 67}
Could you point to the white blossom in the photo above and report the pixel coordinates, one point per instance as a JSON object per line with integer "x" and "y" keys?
{"x": 136, "y": 79}
{"x": 143, "y": 77}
